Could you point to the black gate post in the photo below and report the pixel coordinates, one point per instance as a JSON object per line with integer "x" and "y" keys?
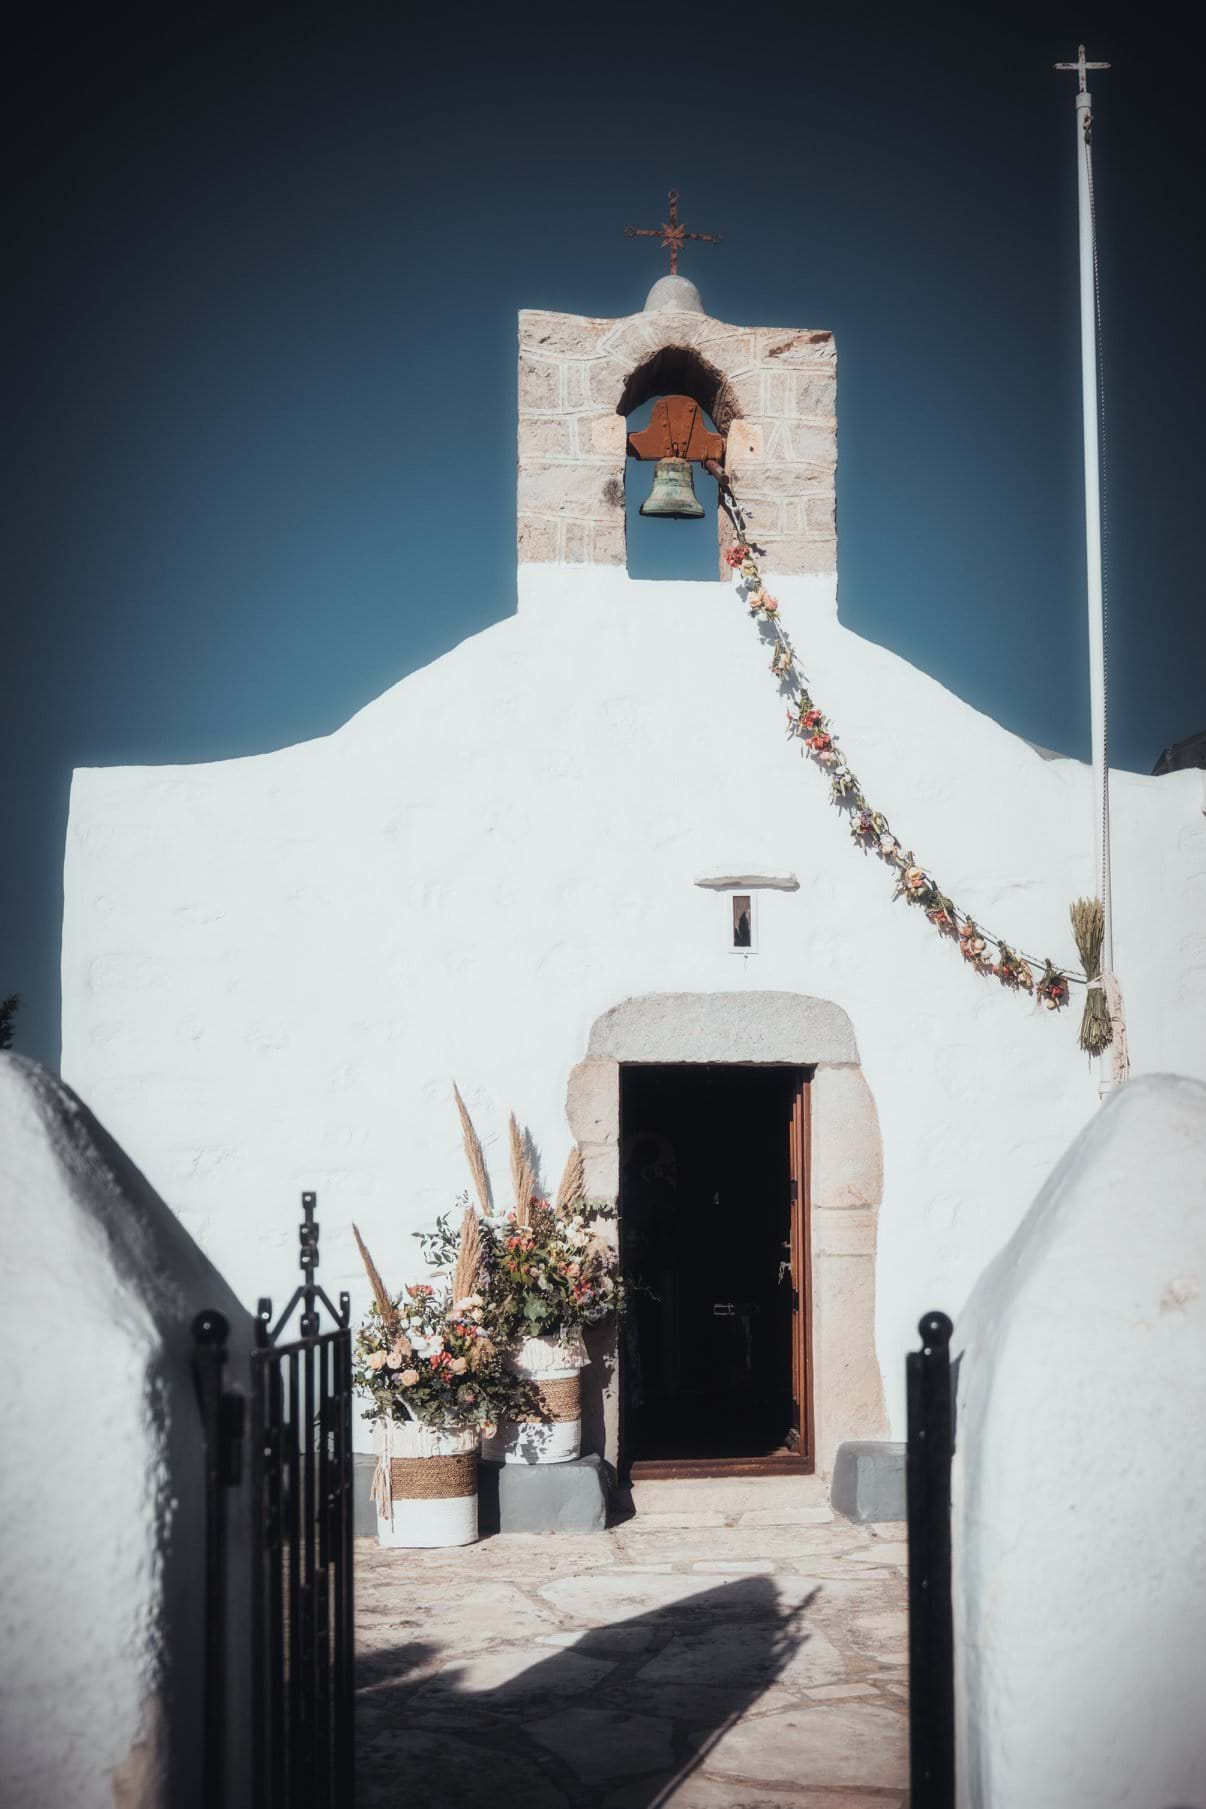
{"x": 302, "y": 1486}
{"x": 222, "y": 1446}
{"x": 931, "y": 1630}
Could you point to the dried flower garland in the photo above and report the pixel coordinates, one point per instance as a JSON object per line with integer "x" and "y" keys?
{"x": 870, "y": 828}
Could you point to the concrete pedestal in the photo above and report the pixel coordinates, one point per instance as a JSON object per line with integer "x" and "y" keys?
{"x": 869, "y": 1481}
{"x": 516, "y": 1498}
{"x": 543, "y": 1498}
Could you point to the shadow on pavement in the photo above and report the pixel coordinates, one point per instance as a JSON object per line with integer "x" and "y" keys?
{"x": 616, "y": 1719}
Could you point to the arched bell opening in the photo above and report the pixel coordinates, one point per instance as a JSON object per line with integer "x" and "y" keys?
{"x": 664, "y": 543}
{"x": 679, "y": 370}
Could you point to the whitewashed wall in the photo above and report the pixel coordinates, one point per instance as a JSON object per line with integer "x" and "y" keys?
{"x": 101, "y": 1579}
{"x": 273, "y": 966}
{"x": 1080, "y": 1477}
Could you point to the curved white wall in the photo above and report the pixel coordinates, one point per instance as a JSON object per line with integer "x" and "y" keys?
{"x": 101, "y": 1579}
{"x": 1080, "y": 1478}
{"x": 272, "y": 966}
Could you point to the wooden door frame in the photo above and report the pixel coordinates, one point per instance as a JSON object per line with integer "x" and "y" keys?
{"x": 777, "y": 1463}
{"x": 801, "y": 1260}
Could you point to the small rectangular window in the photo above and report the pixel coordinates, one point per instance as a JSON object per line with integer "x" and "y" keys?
{"x": 743, "y": 920}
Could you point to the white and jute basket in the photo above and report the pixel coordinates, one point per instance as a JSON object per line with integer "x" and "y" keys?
{"x": 554, "y": 1367}
{"x": 425, "y": 1484}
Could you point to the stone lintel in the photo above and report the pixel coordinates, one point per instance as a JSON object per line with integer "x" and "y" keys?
{"x": 732, "y": 1027}
{"x": 730, "y": 879}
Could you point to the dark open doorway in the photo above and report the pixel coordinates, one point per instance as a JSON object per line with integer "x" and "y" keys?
{"x": 713, "y": 1225}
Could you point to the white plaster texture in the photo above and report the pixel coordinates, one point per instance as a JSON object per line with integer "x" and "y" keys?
{"x": 273, "y": 966}
{"x": 101, "y": 1484}
{"x": 1080, "y": 1476}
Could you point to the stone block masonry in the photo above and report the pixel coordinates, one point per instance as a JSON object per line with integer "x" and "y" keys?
{"x": 771, "y": 389}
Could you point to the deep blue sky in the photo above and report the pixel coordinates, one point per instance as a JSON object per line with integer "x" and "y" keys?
{"x": 269, "y": 274}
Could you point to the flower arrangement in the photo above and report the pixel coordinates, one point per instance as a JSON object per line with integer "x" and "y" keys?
{"x": 547, "y": 1277}
{"x": 426, "y": 1354}
{"x": 438, "y": 1351}
{"x": 546, "y": 1270}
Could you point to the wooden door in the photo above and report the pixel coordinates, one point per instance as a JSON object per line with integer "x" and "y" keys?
{"x": 801, "y": 1265}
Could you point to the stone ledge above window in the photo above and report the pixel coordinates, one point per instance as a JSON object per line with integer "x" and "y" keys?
{"x": 747, "y": 879}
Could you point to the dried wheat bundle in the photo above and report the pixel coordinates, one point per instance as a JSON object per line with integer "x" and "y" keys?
{"x": 380, "y": 1292}
{"x": 468, "y": 1259}
{"x": 573, "y": 1182}
{"x": 473, "y": 1153}
{"x": 1088, "y": 927}
{"x": 523, "y": 1180}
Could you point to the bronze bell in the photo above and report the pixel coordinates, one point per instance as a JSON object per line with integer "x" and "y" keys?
{"x": 673, "y": 492}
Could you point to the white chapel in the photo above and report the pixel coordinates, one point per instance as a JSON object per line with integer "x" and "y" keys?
{"x": 577, "y": 866}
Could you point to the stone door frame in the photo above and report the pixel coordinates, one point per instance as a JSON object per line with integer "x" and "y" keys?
{"x": 845, "y": 1168}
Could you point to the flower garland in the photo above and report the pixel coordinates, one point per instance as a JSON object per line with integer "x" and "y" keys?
{"x": 870, "y": 829}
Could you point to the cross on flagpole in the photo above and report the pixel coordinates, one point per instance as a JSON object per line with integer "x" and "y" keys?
{"x": 1080, "y": 66}
{"x": 671, "y": 233}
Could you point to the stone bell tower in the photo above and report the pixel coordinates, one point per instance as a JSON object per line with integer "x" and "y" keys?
{"x": 769, "y": 390}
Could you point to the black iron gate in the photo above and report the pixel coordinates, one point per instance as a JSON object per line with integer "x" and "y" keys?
{"x": 300, "y": 1508}
{"x": 931, "y": 1631}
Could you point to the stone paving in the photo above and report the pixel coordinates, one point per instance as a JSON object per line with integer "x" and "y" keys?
{"x": 727, "y": 1657}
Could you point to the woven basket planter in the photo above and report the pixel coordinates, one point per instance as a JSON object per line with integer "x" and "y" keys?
{"x": 426, "y": 1482}
{"x": 554, "y": 1367}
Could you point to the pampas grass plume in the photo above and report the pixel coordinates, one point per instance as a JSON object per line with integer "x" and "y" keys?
{"x": 522, "y": 1178}
{"x": 380, "y": 1292}
{"x": 473, "y": 1152}
{"x": 469, "y": 1257}
{"x": 573, "y": 1181}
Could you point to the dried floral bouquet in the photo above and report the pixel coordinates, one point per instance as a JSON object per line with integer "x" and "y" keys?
{"x": 427, "y": 1354}
{"x": 547, "y": 1269}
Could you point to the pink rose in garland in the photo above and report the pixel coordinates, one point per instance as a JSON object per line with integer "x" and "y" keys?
{"x": 973, "y": 946}
{"x": 1052, "y": 988}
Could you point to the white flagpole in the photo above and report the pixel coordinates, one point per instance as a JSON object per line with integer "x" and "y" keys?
{"x": 1089, "y": 398}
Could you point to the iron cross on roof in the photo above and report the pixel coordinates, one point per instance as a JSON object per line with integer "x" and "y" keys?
{"x": 671, "y": 233}
{"x": 1081, "y": 66}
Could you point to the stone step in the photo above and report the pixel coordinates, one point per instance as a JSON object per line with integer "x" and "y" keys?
{"x": 796, "y": 1497}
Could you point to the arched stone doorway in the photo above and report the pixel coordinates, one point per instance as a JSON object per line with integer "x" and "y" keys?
{"x": 844, "y": 1175}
